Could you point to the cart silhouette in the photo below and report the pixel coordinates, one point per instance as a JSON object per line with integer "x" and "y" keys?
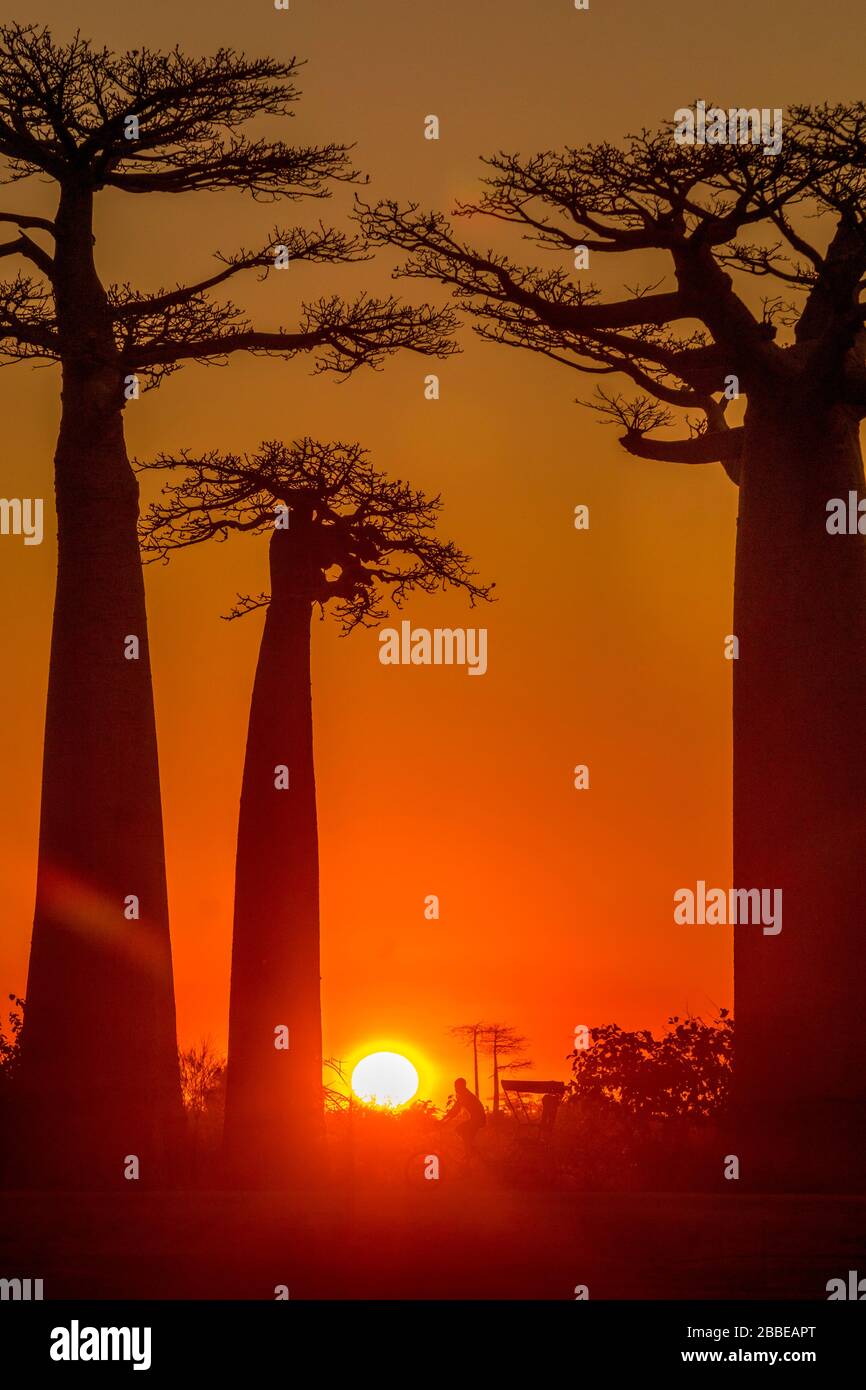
{"x": 535, "y": 1117}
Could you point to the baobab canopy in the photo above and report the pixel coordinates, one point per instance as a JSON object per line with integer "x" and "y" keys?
{"x": 360, "y": 535}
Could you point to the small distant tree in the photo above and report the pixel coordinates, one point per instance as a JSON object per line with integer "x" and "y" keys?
{"x": 10, "y": 1055}
{"x": 469, "y": 1034}
{"x": 202, "y": 1084}
{"x": 687, "y": 1071}
{"x": 10, "y": 1045}
{"x": 202, "y": 1071}
{"x": 337, "y": 1089}
{"x": 343, "y": 537}
{"x": 507, "y": 1047}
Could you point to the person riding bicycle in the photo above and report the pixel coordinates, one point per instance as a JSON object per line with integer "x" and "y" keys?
{"x": 466, "y": 1103}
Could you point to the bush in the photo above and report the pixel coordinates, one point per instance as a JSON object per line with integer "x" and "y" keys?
{"x": 647, "y": 1112}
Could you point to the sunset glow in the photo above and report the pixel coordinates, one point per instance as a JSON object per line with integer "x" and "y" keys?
{"x": 433, "y": 714}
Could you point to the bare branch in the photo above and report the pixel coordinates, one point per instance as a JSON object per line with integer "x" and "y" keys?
{"x": 716, "y": 444}
{"x": 23, "y": 246}
{"x": 345, "y": 336}
{"x": 28, "y": 328}
{"x": 697, "y": 204}
{"x": 146, "y": 121}
{"x": 324, "y": 246}
{"x": 24, "y": 221}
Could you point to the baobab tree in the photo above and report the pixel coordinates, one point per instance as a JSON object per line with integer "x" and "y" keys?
{"x": 346, "y": 538}
{"x": 99, "y": 1058}
{"x": 715, "y": 222}
{"x": 469, "y": 1034}
{"x": 507, "y": 1048}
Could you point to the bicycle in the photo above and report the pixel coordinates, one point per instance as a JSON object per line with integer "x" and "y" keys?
{"x": 443, "y": 1158}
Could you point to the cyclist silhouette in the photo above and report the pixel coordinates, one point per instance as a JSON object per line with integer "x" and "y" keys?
{"x": 466, "y": 1103}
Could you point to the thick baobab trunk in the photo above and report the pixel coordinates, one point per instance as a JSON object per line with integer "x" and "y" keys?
{"x": 800, "y": 797}
{"x": 99, "y": 1055}
{"x": 274, "y": 1084}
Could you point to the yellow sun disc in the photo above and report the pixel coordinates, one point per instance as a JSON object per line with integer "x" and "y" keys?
{"x": 385, "y": 1078}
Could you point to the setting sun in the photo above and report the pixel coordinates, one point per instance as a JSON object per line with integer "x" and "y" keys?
{"x": 385, "y": 1078}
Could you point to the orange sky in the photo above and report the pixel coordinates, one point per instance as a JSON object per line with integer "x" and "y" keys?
{"x": 605, "y": 647}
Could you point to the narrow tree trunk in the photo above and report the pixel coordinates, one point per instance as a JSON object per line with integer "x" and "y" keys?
{"x": 475, "y": 1060}
{"x": 99, "y": 1055}
{"x": 274, "y": 1093}
{"x": 800, "y": 796}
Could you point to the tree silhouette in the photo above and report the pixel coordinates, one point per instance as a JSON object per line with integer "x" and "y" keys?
{"x": 10, "y": 1059}
{"x": 715, "y": 223}
{"x": 201, "y": 1073}
{"x": 687, "y": 1071}
{"x": 10, "y": 1048}
{"x": 506, "y": 1046}
{"x": 202, "y": 1089}
{"x": 341, "y": 535}
{"x": 469, "y": 1034}
{"x": 139, "y": 122}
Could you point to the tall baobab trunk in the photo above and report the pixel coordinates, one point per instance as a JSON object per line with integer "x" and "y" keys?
{"x": 800, "y": 794}
{"x": 274, "y": 1090}
{"x": 99, "y": 1058}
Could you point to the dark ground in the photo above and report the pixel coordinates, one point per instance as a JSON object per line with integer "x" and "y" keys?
{"x": 433, "y": 1243}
